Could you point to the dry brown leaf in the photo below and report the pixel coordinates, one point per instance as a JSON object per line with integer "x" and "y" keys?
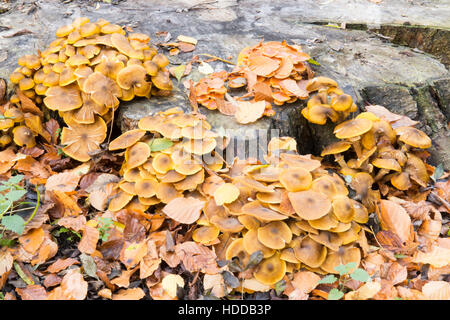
{"x": 47, "y": 250}
{"x": 88, "y": 242}
{"x": 437, "y": 290}
{"x": 64, "y": 182}
{"x": 32, "y": 292}
{"x": 248, "y": 112}
{"x": 305, "y": 281}
{"x": 74, "y": 223}
{"x": 123, "y": 280}
{"x": 32, "y": 240}
{"x": 215, "y": 283}
{"x": 397, "y": 273}
{"x": 73, "y": 287}
{"x": 197, "y": 257}
{"x": 437, "y": 257}
{"x": 393, "y": 217}
{"x": 132, "y": 253}
{"x": 184, "y": 210}
{"x": 61, "y": 264}
{"x": 105, "y": 293}
{"x": 366, "y": 291}
{"x": 6, "y": 261}
{"x": 129, "y": 294}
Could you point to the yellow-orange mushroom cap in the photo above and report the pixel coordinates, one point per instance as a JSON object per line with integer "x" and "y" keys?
{"x": 270, "y": 270}
{"x": 275, "y": 235}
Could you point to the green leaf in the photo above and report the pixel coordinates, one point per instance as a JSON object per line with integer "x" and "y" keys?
{"x": 438, "y": 172}
{"x": 279, "y": 287}
{"x": 14, "y": 223}
{"x": 400, "y": 256}
{"x": 312, "y": 61}
{"x": 335, "y": 294}
{"x": 179, "y": 72}
{"x": 15, "y": 179}
{"x": 7, "y": 242}
{"x": 345, "y": 268}
{"x": 89, "y": 266}
{"x": 159, "y": 144}
{"x": 230, "y": 280}
{"x": 15, "y": 195}
{"x": 360, "y": 275}
{"x": 4, "y": 206}
{"x": 328, "y": 279}
{"x": 255, "y": 259}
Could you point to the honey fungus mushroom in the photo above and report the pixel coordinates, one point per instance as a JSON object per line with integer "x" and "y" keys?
{"x": 82, "y": 139}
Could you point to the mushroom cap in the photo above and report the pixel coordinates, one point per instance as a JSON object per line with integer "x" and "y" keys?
{"x": 205, "y": 234}
{"x": 417, "y": 170}
{"x": 327, "y": 222}
{"x": 132, "y": 76}
{"x": 126, "y": 139}
{"x": 401, "y": 181}
{"x": 260, "y": 212}
{"x": 413, "y": 137}
{"x": 63, "y": 98}
{"x": 252, "y": 244}
{"x": 326, "y": 185}
{"x": 253, "y": 184}
{"x": 306, "y": 226}
{"x": 318, "y": 82}
{"x": 227, "y": 224}
{"x": 236, "y": 249}
{"x": 226, "y": 193}
{"x": 151, "y": 67}
{"x": 310, "y": 252}
{"x": 110, "y": 67}
{"x": 343, "y": 209}
{"x": 350, "y": 235}
{"x": 160, "y": 60}
{"x": 328, "y": 239}
{"x": 343, "y": 255}
{"x": 270, "y": 270}
{"x": 352, "y": 128}
{"x": 120, "y": 200}
{"x": 137, "y": 154}
{"x": 146, "y": 188}
{"x": 162, "y": 163}
{"x": 191, "y": 182}
{"x": 296, "y": 179}
{"x": 342, "y": 102}
{"x": 300, "y": 161}
{"x": 6, "y": 124}
{"x": 310, "y": 205}
{"x": 103, "y": 90}
{"x": 361, "y": 183}
{"x": 23, "y": 136}
{"x": 288, "y": 255}
{"x": 335, "y": 148}
{"x": 82, "y": 139}
{"x": 318, "y": 114}
{"x": 270, "y": 197}
{"x": 249, "y": 222}
{"x": 275, "y": 235}
{"x": 167, "y": 192}
{"x": 200, "y": 146}
{"x": 162, "y": 81}
{"x": 361, "y": 213}
{"x": 389, "y": 164}
{"x": 121, "y": 43}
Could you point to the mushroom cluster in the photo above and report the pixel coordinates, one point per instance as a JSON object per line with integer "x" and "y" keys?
{"x": 85, "y": 72}
{"x": 371, "y": 151}
{"x": 292, "y": 210}
{"x": 274, "y": 72}
{"x": 20, "y": 126}
{"x": 327, "y": 102}
{"x": 165, "y": 157}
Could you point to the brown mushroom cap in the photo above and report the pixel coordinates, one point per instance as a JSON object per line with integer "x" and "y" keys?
{"x": 110, "y": 67}
{"x": 275, "y": 235}
{"x": 63, "y": 98}
{"x": 361, "y": 183}
{"x": 413, "y": 137}
{"x": 160, "y": 60}
{"x": 82, "y": 139}
{"x": 342, "y": 102}
{"x": 343, "y": 209}
{"x": 300, "y": 161}
{"x": 318, "y": 82}
{"x": 328, "y": 239}
{"x": 401, "y": 181}
{"x": 361, "y": 214}
{"x": 205, "y": 234}
{"x": 252, "y": 244}
{"x": 249, "y": 222}
{"x": 126, "y": 139}
{"x": 350, "y": 235}
{"x": 146, "y": 188}
{"x": 270, "y": 270}
{"x": 257, "y": 210}
{"x": 162, "y": 81}
{"x": 327, "y": 222}
{"x": 23, "y": 136}
{"x": 343, "y": 255}
{"x": 310, "y": 205}
{"x": 296, "y": 179}
{"x": 310, "y": 252}
{"x": 236, "y": 249}
{"x": 120, "y": 200}
{"x": 137, "y": 154}
{"x": 121, "y": 43}
{"x": 227, "y": 224}
{"x": 103, "y": 90}
{"x": 288, "y": 255}
{"x": 226, "y": 193}
{"x": 417, "y": 170}
{"x": 132, "y": 77}
{"x": 335, "y": 148}
{"x": 352, "y": 128}
{"x": 389, "y": 164}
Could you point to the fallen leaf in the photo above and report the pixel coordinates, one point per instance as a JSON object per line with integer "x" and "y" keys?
{"x": 196, "y": 257}
{"x": 184, "y": 210}
{"x": 170, "y": 284}
{"x": 129, "y": 294}
{"x": 187, "y": 39}
{"x": 74, "y": 223}
{"x": 32, "y": 292}
{"x": 32, "y": 240}
{"x": 61, "y": 264}
{"x": 437, "y": 290}
{"x": 393, "y": 217}
{"x": 305, "y": 281}
{"x": 248, "y": 112}
{"x": 89, "y": 239}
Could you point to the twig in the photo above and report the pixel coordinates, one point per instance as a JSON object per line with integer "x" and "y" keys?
{"x": 217, "y": 58}
{"x": 37, "y": 206}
